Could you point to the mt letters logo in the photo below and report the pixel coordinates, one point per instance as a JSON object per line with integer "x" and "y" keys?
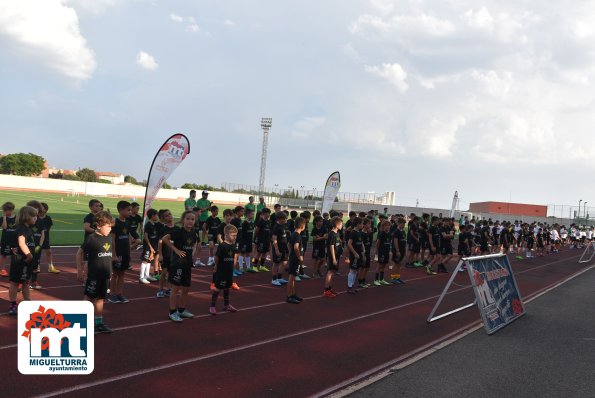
{"x": 56, "y": 337}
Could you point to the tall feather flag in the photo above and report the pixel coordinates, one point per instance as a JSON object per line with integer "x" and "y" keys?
{"x": 168, "y": 158}
{"x": 331, "y": 189}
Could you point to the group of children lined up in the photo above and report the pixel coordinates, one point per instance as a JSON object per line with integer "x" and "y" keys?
{"x": 25, "y": 236}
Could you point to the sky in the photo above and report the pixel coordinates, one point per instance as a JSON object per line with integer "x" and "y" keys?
{"x": 493, "y": 99}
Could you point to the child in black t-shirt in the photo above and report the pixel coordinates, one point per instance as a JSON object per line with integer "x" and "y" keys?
{"x": 356, "y": 253}
{"x": 319, "y": 237}
{"x": 367, "y": 235}
{"x": 150, "y": 246}
{"x": 9, "y": 222}
{"x": 247, "y": 237}
{"x": 296, "y": 258}
{"x": 38, "y": 238}
{"x": 134, "y": 220}
{"x": 305, "y": 234}
{"x": 210, "y": 228}
{"x": 99, "y": 267}
{"x": 46, "y": 223}
{"x": 279, "y": 249}
{"x": 185, "y": 243}
{"x": 223, "y": 274}
{"x": 262, "y": 239}
{"x": 22, "y": 260}
{"x": 236, "y": 221}
{"x": 121, "y": 244}
{"x": 334, "y": 251}
{"x": 383, "y": 244}
{"x": 167, "y": 227}
{"x": 398, "y": 250}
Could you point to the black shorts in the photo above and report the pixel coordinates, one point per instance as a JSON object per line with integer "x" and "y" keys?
{"x": 366, "y": 264}
{"x": 146, "y": 255}
{"x": 263, "y": 247}
{"x": 46, "y": 244}
{"x": 318, "y": 253}
{"x": 383, "y": 257}
{"x": 223, "y": 282}
{"x": 331, "y": 265}
{"x": 20, "y": 271}
{"x": 5, "y": 250}
{"x": 355, "y": 263}
{"x": 279, "y": 257}
{"x": 484, "y": 247}
{"x": 246, "y": 248}
{"x": 294, "y": 265}
{"x": 179, "y": 274}
{"x": 96, "y": 288}
{"x": 414, "y": 247}
{"x": 122, "y": 265}
{"x": 212, "y": 238}
{"x": 446, "y": 250}
{"x": 305, "y": 245}
{"x": 464, "y": 251}
{"x": 424, "y": 244}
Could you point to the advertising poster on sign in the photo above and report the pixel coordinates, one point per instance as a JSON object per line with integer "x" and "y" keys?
{"x": 168, "y": 158}
{"x": 331, "y": 189}
{"x": 498, "y": 296}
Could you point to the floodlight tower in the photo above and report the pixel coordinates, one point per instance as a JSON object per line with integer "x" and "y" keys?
{"x": 265, "y": 123}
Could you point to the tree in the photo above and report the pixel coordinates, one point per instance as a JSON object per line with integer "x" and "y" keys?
{"x": 87, "y": 175}
{"x": 131, "y": 180}
{"x": 22, "y": 164}
{"x": 166, "y": 185}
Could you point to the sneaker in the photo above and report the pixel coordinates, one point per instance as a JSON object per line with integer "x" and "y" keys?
{"x": 35, "y": 286}
{"x": 212, "y": 310}
{"x": 397, "y": 281}
{"x": 351, "y": 291}
{"x": 283, "y": 281}
{"x": 329, "y": 294}
{"x": 262, "y": 268}
{"x": 236, "y": 273}
{"x": 292, "y": 300}
{"x": 230, "y": 308}
{"x": 144, "y": 281}
{"x": 199, "y": 263}
{"x": 298, "y": 298}
{"x": 251, "y": 270}
{"x": 418, "y": 264}
{"x": 235, "y": 286}
{"x": 160, "y": 294}
{"x": 3, "y": 273}
{"x": 122, "y": 299}
{"x": 409, "y": 265}
{"x": 175, "y": 317}
{"x": 298, "y": 278}
{"x": 305, "y": 276}
{"x": 53, "y": 270}
{"x": 12, "y": 310}
{"x": 151, "y": 279}
{"x": 362, "y": 286}
{"x": 211, "y": 262}
{"x": 335, "y": 293}
{"x": 430, "y": 271}
{"x": 384, "y": 283}
{"x": 102, "y": 328}
{"x": 276, "y": 282}
{"x": 168, "y": 292}
{"x": 377, "y": 283}
{"x": 113, "y": 299}
{"x": 186, "y": 314}
{"x": 519, "y": 257}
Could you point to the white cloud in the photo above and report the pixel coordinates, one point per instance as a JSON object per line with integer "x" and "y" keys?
{"x": 229, "y": 23}
{"x": 393, "y": 73}
{"x": 192, "y": 28}
{"x": 146, "y": 61}
{"x": 176, "y": 18}
{"x": 92, "y": 6}
{"x": 48, "y": 31}
{"x": 308, "y": 125}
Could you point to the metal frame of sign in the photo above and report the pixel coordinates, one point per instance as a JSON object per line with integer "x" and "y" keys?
{"x": 591, "y": 253}
{"x": 478, "y": 299}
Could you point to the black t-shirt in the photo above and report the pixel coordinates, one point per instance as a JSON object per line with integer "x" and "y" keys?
{"x": 165, "y": 251}
{"x": 399, "y": 236}
{"x": 435, "y": 232}
{"x": 46, "y": 224}
{"x": 237, "y": 222}
{"x": 294, "y": 239}
{"x": 23, "y": 230}
{"x": 9, "y": 234}
{"x": 134, "y": 222}
{"x": 247, "y": 232}
{"x": 367, "y": 241}
{"x": 356, "y": 242}
{"x": 89, "y": 219}
{"x": 318, "y": 233}
{"x": 121, "y": 230}
{"x": 225, "y": 255}
{"x": 264, "y": 230}
{"x": 445, "y": 241}
{"x": 37, "y": 230}
{"x": 384, "y": 242}
{"x": 183, "y": 240}
{"x": 485, "y": 232}
{"x": 213, "y": 225}
{"x": 100, "y": 256}
{"x": 334, "y": 240}
{"x": 280, "y": 233}
{"x": 291, "y": 225}
{"x": 221, "y": 230}
{"x": 413, "y": 230}
{"x": 152, "y": 234}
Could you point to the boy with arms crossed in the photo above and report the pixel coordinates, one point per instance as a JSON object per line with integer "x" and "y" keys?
{"x": 223, "y": 269}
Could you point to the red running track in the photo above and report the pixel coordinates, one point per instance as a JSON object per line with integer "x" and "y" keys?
{"x": 269, "y": 348}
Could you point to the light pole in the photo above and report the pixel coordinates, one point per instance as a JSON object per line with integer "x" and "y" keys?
{"x": 585, "y": 211}
{"x": 265, "y": 123}
{"x": 579, "y": 209}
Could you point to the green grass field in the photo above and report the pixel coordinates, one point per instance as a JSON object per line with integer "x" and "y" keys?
{"x": 68, "y": 212}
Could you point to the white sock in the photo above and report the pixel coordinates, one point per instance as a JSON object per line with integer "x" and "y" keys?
{"x": 248, "y": 263}
{"x": 241, "y": 262}
{"x": 148, "y": 271}
{"x": 351, "y": 278}
{"x": 143, "y": 269}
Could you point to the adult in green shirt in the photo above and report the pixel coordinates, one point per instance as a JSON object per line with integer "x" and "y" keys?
{"x": 204, "y": 204}
{"x": 250, "y": 205}
{"x": 261, "y": 205}
{"x": 190, "y": 203}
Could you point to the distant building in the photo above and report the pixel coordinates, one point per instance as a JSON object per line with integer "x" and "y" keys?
{"x": 114, "y": 178}
{"x": 517, "y": 209}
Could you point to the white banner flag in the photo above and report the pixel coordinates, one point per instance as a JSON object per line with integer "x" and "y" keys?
{"x": 167, "y": 159}
{"x": 331, "y": 189}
